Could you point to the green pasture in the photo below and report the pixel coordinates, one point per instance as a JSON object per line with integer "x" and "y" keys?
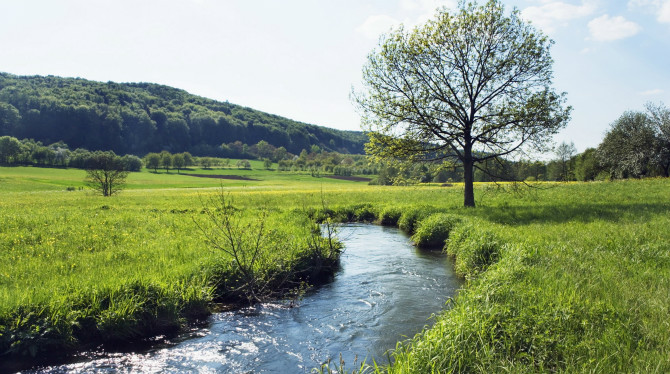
{"x": 24, "y": 179}
{"x": 559, "y": 277}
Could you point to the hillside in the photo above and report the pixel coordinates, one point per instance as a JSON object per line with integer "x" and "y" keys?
{"x": 138, "y": 118}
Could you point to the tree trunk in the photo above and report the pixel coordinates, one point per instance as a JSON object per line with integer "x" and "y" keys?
{"x": 468, "y": 179}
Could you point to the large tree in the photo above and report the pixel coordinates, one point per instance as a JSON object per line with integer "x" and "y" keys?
{"x": 471, "y": 86}
{"x": 659, "y": 117}
{"x": 637, "y": 144}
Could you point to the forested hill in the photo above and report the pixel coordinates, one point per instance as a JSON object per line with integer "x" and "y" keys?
{"x": 138, "y": 118}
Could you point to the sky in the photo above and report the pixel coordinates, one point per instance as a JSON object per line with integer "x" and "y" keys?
{"x": 301, "y": 58}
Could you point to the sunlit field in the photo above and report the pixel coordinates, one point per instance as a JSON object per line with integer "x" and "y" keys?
{"x": 560, "y": 277}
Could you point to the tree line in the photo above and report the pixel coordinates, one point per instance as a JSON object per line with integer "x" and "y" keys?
{"x": 30, "y": 152}
{"x": 636, "y": 145}
{"x": 138, "y": 118}
{"x": 15, "y": 152}
{"x": 317, "y": 162}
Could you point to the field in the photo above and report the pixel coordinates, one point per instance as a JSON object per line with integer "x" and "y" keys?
{"x": 560, "y": 277}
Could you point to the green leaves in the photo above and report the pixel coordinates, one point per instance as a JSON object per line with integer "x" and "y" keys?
{"x": 473, "y": 81}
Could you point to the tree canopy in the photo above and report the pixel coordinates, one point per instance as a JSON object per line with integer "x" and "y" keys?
{"x": 471, "y": 86}
{"x": 638, "y": 144}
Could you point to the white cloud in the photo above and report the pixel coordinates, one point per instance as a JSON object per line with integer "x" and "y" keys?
{"x": 554, "y": 14}
{"x": 659, "y": 7}
{"x": 607, "y": 29}
{"x": 664, "y": 12}
{"x": 656, "y": 91}
{"x": 376, "y": 25}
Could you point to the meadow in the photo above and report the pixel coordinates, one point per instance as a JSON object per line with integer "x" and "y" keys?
{"x": 571, "y": 277}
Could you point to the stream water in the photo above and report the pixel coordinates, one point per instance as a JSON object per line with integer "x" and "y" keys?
{"x": 386, "y": 291}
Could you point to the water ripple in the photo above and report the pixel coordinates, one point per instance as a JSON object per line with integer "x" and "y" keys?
{"x": 386, "y": 290}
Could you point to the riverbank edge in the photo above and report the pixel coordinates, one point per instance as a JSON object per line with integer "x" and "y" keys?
{"x": 472, "y": 248}
{"x": 37, "y": 336}
{"x": 503, "y": 320}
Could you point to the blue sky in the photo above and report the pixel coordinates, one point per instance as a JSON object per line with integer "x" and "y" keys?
{"x": 301, "y": 58}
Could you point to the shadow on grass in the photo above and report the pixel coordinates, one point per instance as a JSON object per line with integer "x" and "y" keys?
{"x": 582, "y": 212}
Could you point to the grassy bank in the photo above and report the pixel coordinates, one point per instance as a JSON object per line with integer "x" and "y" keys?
{"x": 563, "y": 278}
{"x": 77, "y": 269}
{"x": 575, "y": 278}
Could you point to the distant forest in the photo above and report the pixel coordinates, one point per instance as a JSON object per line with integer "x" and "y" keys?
{"x": 138, "y": 118}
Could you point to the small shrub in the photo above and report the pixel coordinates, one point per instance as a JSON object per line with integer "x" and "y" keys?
{"x": 389, "y": 216}
{"x": 70, "y": 188}
{"x": 344, "y": 213}
{"x": 364, "y": 213}
{"x": 433, "y": 231}
{"x": 409, "y": 218}
{"x": 354, "y": 213}
{"x": 474, "y": 249}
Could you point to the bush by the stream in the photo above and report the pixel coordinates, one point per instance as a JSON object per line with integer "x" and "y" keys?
{"x": 433, "y": 231}
{"x": 389, "y": 216}
{"x": 411, "y": 216}
{"x": 474, "y": 248}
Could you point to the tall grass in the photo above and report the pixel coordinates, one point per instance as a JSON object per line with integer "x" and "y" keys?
{"x": 77, "y": 268}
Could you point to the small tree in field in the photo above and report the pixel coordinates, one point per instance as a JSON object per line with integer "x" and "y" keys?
{"x": 205, "y": 162}
{"x": 659, "y": 116}
{"x": 178, "y": 161}
{"x": 633, "y": 147}
{"x": 105, "y": 173}
{"x": 188, "y": 159}
{"x": 243, "y": 164}
{"x": 153, "y": 161}
{"x": 166, "y": 160}
{"x": 564, "y": 152}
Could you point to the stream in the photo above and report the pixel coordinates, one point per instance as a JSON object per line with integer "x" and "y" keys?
{"x": 386, "y": 291}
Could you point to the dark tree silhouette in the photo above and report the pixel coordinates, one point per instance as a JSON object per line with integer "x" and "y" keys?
{"x": 105, "y": 173}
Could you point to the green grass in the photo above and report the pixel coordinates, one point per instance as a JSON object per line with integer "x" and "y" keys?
{"x": 76, "y": 267}
{"x": 572, "y": 278}
{"x": 561, "y": 278}
{"x": 25, "y": 179}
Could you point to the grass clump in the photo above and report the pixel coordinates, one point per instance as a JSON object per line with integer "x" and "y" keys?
{"x": 473, "y": 248}
{"x": 389, "y": 216}
{"x": 365, "y": 212}
{"x": 433, "y": 231}
{"x": 411, "y": 216}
